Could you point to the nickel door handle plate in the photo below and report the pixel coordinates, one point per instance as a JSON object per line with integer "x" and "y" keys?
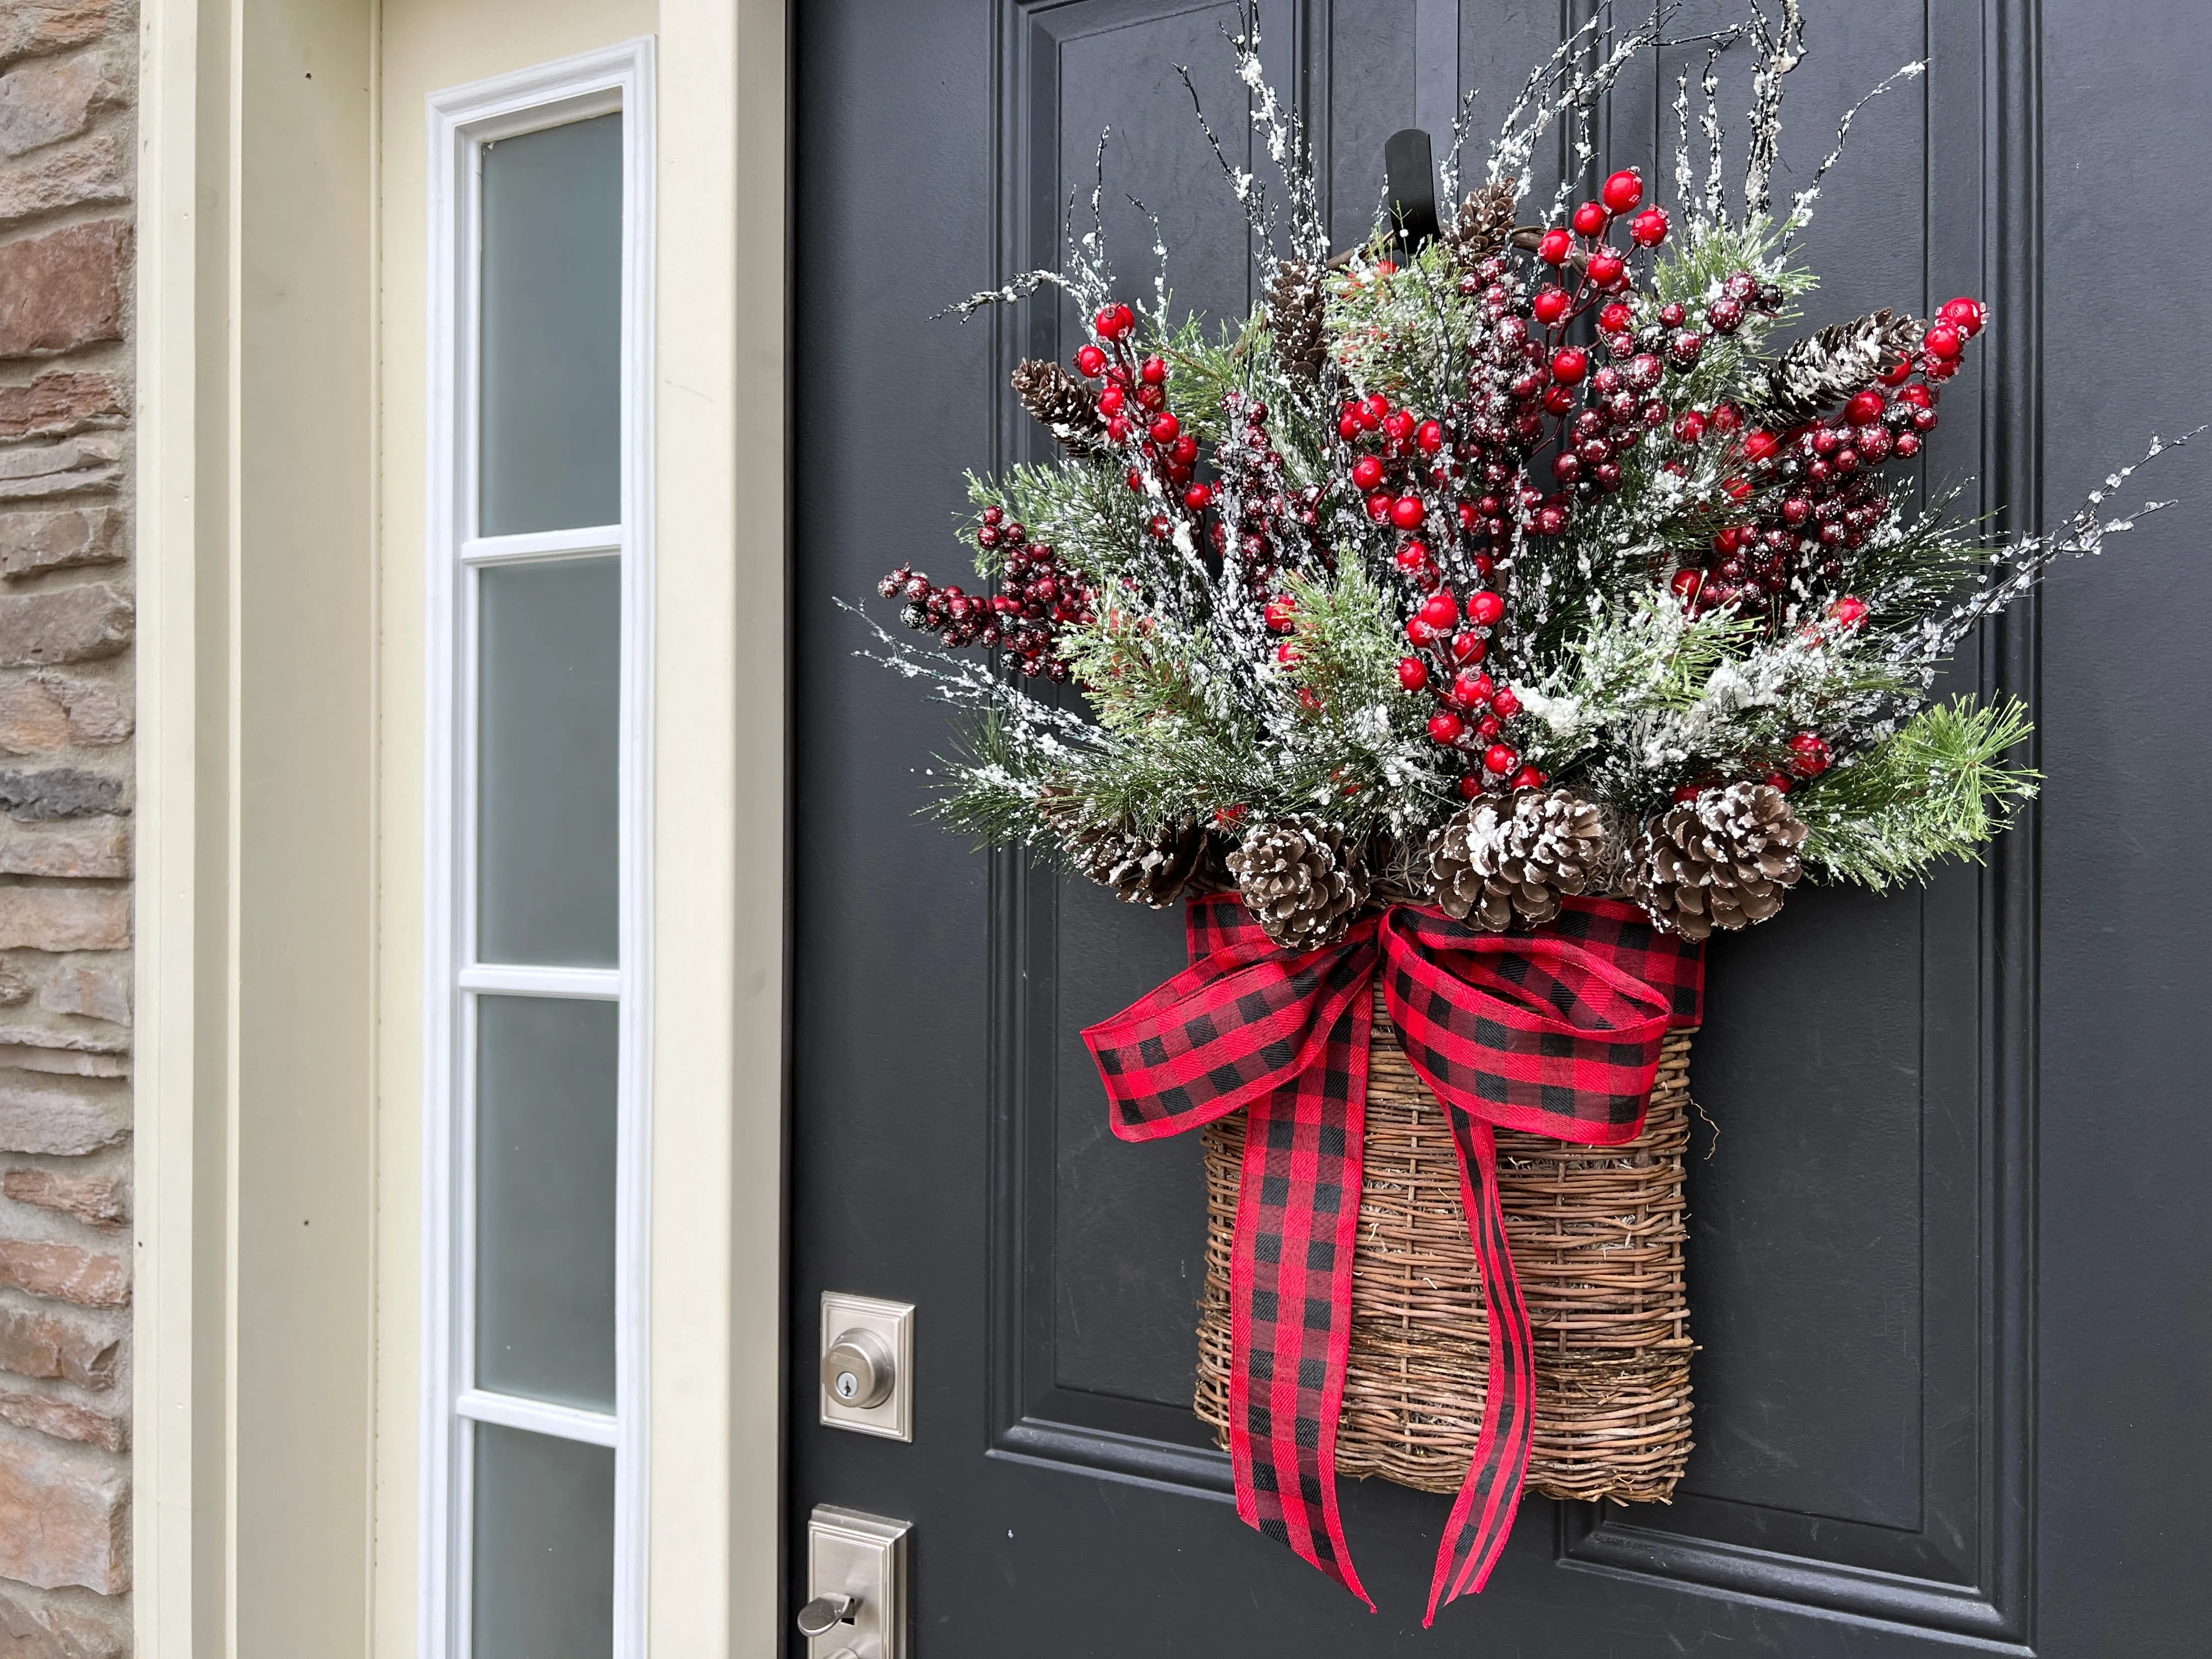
{"x": 856, "y": 1576}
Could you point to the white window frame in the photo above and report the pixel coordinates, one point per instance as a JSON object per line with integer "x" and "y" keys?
{"x": 461, "y": 119}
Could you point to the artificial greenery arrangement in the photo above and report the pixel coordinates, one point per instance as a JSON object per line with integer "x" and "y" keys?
{"x": 1397, "y": 582}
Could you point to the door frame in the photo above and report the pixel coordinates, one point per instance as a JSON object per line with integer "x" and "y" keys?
{"x": 279, "y": 496}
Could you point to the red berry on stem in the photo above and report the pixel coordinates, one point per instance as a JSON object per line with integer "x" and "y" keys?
{"x": 1778, "y": 781}
{"x": 1398, "y": 426}
{"x": 1281, "y": 614}
{"x": 1286, "y": 653}
{"x": 1624, "y": 190}
{"x": 1485, "y": 608}
{"x": 1549, "y": 305}
{"x": 1414, "y": 556}
{"x": 1500, "y": 758}
{"x": 1372, "y": 409}
{"x": 1412, "y": 673}
{"x": 1591, "y": 219}
{"x": 1527, "y": 778}
{"x": 1759, "y": 445}
{"x": 1092, "y": 361}
{"x": 1430, "y": 436}
{"x": 1164, "y": 428}
{"x": 1420, "y": 632}
{"x": 1848, "y": 611}
{"x": 1445, "y": 727}
{"x": 1348, "y": 426}
{"x": 1379, "y": 506}
{"x": 1616, "y": 317}
{"x": 1685, "y": 582}
{"x": 1570, "y": 365}
{"x": 1689, "y": 426}
{"x": 1470, "y": 687}
{"x": 1608, "y": 271}
{"x": 1468, "y": 648}
{"x": 1966, "y": 315}
{"x": 1649, "y": 228}
{"x": 1198, "y": 497}
{"x": 1111, "y": 401}
{"x": 1154, "y": 371}
{"x": 1439, "y": 611}
{"x": 1556, "y": 247}
{"x": 1942, "y": 342}
{"x": 1552, "y": 521}
{"x": 1406, "y": 511}
{"x": 1865, "y": 408}
{"x": 1366, "y": 473}
{"x": 1809, "y": 755}
{"x": 1506, "y": 701}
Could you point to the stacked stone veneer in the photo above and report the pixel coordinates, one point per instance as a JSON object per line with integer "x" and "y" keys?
{"x": 68, "y": 74}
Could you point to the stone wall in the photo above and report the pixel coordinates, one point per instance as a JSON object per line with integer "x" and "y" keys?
{"x": 68, "y": 74}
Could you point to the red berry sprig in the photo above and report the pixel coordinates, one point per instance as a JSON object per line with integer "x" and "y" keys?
{"x": 1807, "y": 498}
{"x": 1039, "y": 598}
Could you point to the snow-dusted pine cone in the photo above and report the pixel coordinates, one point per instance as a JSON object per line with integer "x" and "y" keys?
{"x": 1301, "y": 880}
{"x": 1496, "y": 861}
{"x": 1061, "y": 405}
{"x": 1294, "y": 318}
{"x": 1825, "y": 368}
{"x": 1155, "y": 869}
{"x": 1721, "y": 861}
{"x": 1483, "y": 224}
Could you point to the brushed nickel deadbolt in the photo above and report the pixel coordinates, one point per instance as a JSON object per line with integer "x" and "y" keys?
{"x": 859, "y": 1369}
{"x": 868, "y": 1364}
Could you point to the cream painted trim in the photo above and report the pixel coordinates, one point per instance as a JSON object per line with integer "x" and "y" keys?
{"x": 180, "y": 1524}
{"x": 720, "y": 813}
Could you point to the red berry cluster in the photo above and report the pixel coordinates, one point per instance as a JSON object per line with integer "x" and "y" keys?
{"x": 1472, "y": 708}
{"x": 1133, "y": 404}
{"x": 1807, "y": 496}
{"x": 1039, "y": 598}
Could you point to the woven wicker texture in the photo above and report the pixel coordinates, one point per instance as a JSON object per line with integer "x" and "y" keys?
{"x": 1597, "y": 1237}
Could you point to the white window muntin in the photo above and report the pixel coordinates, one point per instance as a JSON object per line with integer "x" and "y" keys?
{"x": 462, "y": 122}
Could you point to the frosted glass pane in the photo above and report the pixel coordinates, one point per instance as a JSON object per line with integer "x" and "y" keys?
{"x": 544, "y": 1585}
{"x": 551, "y": 414}
{"x": 550, "y": 695}
{"x": 545, "y": 1200}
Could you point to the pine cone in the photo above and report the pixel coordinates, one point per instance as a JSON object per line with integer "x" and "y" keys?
{"x": 1300, "y": 880}
{"x": 1294, "y": 318}
{"x": 1061, "y": 405}
{"x": 1155, "y": 869}
{"x": 1483, "y": 224}
{"x": 1496, "y": 861}
{"x": 1721, "y": 861}
{"x": 1818, "y": 372}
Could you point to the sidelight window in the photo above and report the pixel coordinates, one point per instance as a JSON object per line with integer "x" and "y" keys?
{"x": 537, "y": 1097}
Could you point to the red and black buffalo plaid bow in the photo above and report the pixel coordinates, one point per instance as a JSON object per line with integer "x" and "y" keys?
{"x": 1555, "y": 1032}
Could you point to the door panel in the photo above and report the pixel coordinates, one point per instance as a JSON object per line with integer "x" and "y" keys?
{"x": 1864, "y": 1199}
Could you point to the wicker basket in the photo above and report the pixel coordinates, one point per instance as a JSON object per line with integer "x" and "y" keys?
{"x": 1597, "y": 1237}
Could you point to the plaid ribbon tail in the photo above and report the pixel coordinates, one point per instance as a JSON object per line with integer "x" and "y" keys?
{"x": 1297, "y": 1222}
{"x": 1482, "y": 1515}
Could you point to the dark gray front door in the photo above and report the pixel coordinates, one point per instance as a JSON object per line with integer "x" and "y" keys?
{"x": 1950, "y": 1247}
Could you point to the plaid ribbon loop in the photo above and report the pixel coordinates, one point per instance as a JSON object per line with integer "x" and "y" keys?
{"x": 1558, "y": 1033}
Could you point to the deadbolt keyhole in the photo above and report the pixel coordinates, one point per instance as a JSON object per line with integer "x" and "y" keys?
{"x": 859, "y": 1369}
